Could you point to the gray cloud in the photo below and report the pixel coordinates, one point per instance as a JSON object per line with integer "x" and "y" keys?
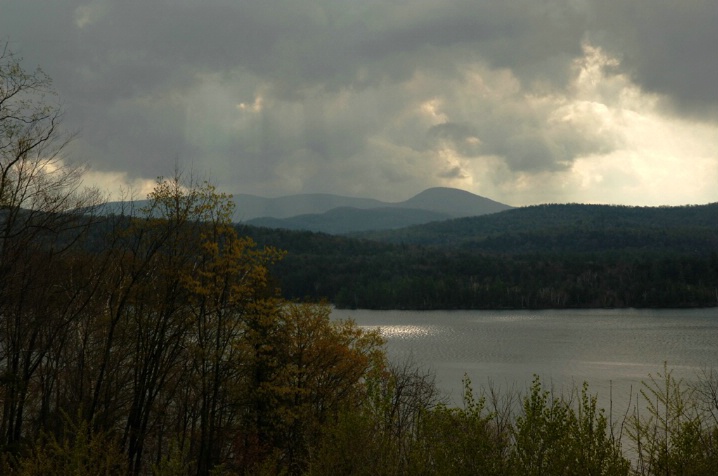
{"x": 455, "y": 172}
{"x": 461, "y": 137}
{"x": 667, "y": 48}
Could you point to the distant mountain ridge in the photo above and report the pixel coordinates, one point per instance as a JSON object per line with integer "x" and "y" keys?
{"x": 336, "y": 214}
{"x": 344, "y": 220}
{"x": 454, "y": 202}
{"x": 249, "y": 207}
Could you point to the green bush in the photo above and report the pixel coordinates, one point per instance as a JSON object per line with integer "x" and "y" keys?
{"x": 78, "y": 452}
{"x": 552, "y": 437}
{"x": 676, "y": 435}
{"x": 461, "y": 441}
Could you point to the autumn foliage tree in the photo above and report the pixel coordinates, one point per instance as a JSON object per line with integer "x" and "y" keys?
{"x": 157, "y": 332}
{"x": 319, "y": 368}
{"x": 161, "y": 337}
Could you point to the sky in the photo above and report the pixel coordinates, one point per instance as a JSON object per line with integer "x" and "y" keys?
{"x": 520, "y": 101}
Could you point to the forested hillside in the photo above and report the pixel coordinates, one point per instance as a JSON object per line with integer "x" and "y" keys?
{"x": 550, "y": 256}
{"x": 570, "y": 227}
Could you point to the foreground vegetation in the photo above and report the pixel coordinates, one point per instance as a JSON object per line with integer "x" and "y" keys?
{"x": 398, "y": 431}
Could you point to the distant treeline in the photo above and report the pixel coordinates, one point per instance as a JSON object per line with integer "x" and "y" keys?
{"x": 551, "y": 256}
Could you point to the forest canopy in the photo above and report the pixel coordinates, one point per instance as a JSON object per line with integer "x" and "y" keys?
{"x": 549, "y": 256}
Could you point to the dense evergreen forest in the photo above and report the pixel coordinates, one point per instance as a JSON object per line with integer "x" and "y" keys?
{"x": 548, "y": 256}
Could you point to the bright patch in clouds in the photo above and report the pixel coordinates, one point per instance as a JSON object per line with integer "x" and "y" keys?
{"x": 118, "y": 185}
{"x": 660, "y": 160}
{"x": 635, "y": 152}
{"x": 86, "y": 15}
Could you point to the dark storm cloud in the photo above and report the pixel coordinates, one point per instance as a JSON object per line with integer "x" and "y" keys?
{"x": 667, "y": 47}
{"x": 333, "y": 43}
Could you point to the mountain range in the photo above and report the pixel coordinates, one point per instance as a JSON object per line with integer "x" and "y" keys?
{"x": 337, "y": 214}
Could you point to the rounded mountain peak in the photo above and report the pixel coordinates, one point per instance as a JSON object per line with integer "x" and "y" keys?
{"x": 456, "y": 202}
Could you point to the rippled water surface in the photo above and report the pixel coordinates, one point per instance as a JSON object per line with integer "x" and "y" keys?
{"x": 613, "y": 350}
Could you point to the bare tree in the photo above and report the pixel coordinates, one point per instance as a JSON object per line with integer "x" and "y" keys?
{"x": 42, "y": 215}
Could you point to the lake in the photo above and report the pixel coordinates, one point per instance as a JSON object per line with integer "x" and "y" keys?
{"x": 611, "y": 349}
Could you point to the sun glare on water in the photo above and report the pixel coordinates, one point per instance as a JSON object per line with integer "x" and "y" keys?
{"x": 405, "y": 331}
